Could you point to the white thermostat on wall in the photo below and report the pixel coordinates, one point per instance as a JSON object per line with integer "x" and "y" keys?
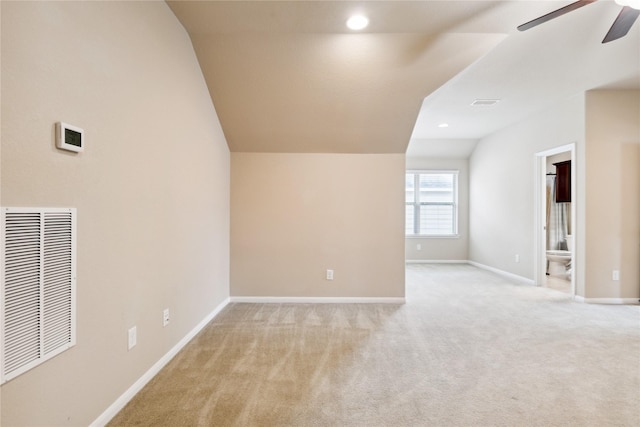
{"x": 69, "y": 137}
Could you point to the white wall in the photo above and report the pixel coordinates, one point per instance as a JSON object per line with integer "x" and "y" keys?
{"x": 605, "y": 125}
{"x": 293, "y": 216}
{"x": 501, "y": 195}
{"x": 443, "y": 249}
{"x": 151, "y": 189}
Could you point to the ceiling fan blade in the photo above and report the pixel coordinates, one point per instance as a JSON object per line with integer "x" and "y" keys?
{"x": 556, "y": 13}
{"x": 622, "y": 24}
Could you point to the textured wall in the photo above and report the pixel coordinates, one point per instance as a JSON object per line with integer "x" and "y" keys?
{"x": 293, "y": 216}
{"x": 151, "y": 188}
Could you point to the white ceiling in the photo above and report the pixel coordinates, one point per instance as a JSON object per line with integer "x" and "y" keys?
{"x": 528, "y": 72}
{"x": 287, "y": 76}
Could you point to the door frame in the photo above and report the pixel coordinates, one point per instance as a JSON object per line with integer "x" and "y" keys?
{"x": 539, "y": 236}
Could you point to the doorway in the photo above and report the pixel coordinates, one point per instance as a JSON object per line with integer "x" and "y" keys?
{"x": 558, "y": 274}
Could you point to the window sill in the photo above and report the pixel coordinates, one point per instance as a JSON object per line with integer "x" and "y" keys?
{"x": 427, "y": 236}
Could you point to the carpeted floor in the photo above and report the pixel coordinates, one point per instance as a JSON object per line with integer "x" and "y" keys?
{"x": 469, "y": 348}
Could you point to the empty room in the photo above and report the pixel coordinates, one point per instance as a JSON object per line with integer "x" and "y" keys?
{"x": 320, "y": 213}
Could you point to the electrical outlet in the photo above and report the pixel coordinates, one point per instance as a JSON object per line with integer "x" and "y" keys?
{"x": 616, "y": 275}
{"x": 165, "y": 317}
{"x": 133, "y": 337}
{"x": 419, "y": 247}
{"x": 329, "y": 274}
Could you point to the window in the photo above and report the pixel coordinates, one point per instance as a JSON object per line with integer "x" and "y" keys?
{"x": 431, "y": 203}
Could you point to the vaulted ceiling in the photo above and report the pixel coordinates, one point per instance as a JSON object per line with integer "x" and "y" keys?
{"x": 288, "y": 76}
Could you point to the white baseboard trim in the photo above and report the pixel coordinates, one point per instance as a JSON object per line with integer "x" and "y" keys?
{"x": 120, "y": 403}
{"x": 503, "y": 273}
{"x": 620, "y": 301}
{"x": 436, "y": 261}
{"x": 321, "y": 300}
{"x": 577, "y": 298}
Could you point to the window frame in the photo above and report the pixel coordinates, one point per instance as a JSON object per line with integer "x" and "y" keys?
{"x": 417, "y": 203}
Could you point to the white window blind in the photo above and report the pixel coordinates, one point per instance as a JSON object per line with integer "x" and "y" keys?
{"x": 38, "y": 286}
{"x": 431, "y": 200}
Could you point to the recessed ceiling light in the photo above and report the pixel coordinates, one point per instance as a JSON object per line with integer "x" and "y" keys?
{"x": 357, "y": 22}
{"x": 443, "y": 125}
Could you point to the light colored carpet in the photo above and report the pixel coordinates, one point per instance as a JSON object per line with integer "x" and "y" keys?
{"x": 468, "y": 349}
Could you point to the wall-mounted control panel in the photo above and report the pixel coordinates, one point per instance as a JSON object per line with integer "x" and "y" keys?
{"x": 69, "y": 137}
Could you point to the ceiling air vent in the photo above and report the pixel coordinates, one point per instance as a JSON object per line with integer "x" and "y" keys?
{"x": 485, "y": 102}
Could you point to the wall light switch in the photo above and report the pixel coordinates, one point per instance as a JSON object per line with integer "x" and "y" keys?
{"x": 616, "y": 275}
{"x": 517, "y": 258}
{"x": 165, "y": 317}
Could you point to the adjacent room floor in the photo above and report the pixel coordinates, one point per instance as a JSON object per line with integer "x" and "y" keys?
{"x": 469, "y": 348}
{"x": 558, "y": 284}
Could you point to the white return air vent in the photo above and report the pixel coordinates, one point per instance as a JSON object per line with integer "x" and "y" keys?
{"x": 38, "y": 286}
